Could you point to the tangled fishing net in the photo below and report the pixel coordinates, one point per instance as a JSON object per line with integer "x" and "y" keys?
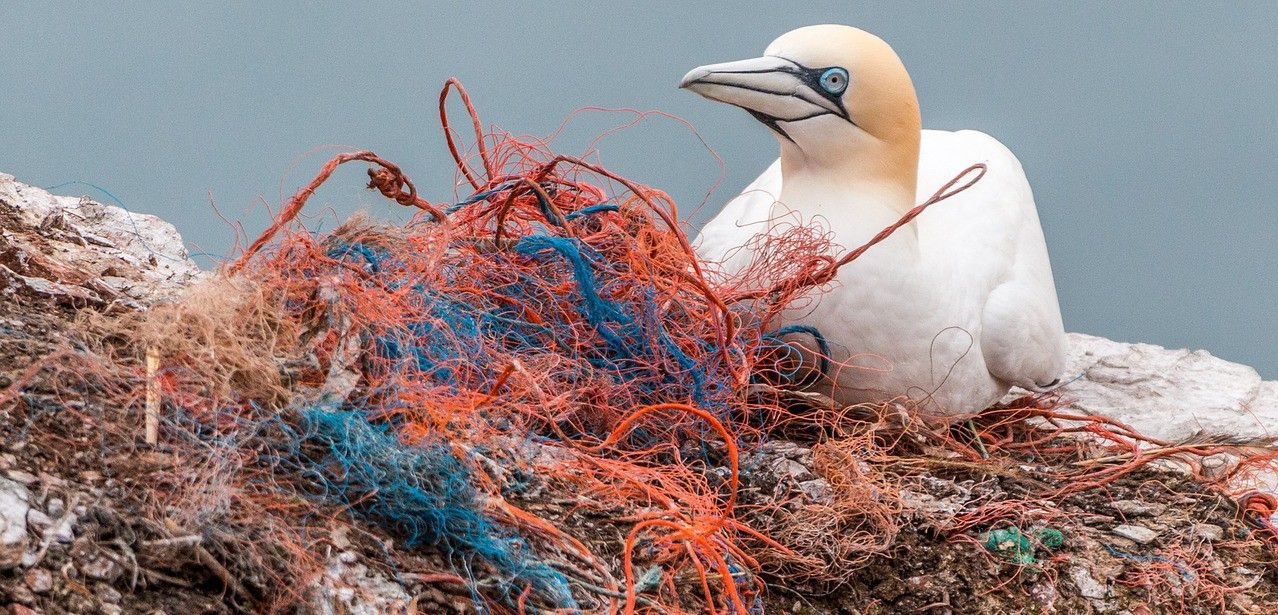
{"x": 552, "y": 338}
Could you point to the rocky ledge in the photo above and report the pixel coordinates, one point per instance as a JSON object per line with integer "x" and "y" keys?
{"x": 1170, "y": 394}
{"x": 59, "y": 254}
{"x": 78, "y": 251}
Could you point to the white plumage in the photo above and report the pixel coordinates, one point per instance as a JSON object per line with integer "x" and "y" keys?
{"x": 953, "y": 309}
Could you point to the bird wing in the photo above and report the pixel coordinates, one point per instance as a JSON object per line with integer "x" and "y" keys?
{"x": 724, "y": 239}
{"x": 991, "y": 236}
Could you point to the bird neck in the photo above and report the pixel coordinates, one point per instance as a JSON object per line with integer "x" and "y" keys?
{"x": 864, "y": 169}
{"x": 857, "y": 192}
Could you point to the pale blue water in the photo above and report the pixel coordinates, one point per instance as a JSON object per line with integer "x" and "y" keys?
{"x": 1147, "y": 128}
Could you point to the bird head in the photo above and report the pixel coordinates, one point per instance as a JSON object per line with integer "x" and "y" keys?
{"x": 833, "y": 95}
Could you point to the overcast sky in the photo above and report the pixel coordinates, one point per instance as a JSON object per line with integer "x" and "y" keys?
{"x": 1148, "y": 129}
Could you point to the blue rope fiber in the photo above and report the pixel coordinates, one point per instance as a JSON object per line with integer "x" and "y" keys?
{"x": 423, "y": 494}
{"x": 478, "y": 197}
{"x": 823, "y": 346}
{"x": 632, "y": 331}
{"x": 593, "y": 209}
{"x": 1185, "y": 572}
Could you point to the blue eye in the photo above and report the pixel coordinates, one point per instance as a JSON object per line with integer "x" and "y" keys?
{"x": 834, "y": 80}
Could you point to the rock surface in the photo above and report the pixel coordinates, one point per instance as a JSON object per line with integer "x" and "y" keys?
{"x": 1169, "y": 394}
{"x": 14, "y": 506}
{"x": 1136, "y": 533}
{"x": 351, "y": 588}
{"x": 1172, "y": 394}
{"x": 78, "y": 251}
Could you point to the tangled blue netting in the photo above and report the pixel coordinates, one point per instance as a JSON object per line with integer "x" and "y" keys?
{"x": 423, "y": 494}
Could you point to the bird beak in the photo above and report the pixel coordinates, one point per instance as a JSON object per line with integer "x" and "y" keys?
{"x": 773, "y": 89}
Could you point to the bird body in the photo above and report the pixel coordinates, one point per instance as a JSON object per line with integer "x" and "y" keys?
{"x": 951, "y": 310}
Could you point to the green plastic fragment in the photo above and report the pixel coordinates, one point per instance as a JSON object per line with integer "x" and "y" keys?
{"x": 1050, "y": 537}
{"x": 1011, "y": 543}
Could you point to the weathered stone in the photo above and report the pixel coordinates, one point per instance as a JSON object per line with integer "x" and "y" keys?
{"x": 792, "y": 470}
{"x": 108, "y": 594}
{"x": 55, "y": 507}
{"x": 1044, "y": 594}
{"x": 101, "y": 568}
{"x": 38, "y": 521}
{"x": 1169, "y": 394}
{"x": 1137, "y": 508}
{"x": 64, "y": 529}
{"x": 86, "y": 251}
{"x": 39, "y": 580}
{"x": 1207, "y": 531}
{"x": 25, "y": 478}
{"x": 14, "y": 505}
{"x": 816, "y": 491}
{"x": 1087, "y": 585}
{"x": 351, "y": 588}
{"x": 1172, "y": 395}
{"x": 1136, "y": 533}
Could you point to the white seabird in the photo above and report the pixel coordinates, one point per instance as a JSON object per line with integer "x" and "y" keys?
{"x": 953, "y": 309}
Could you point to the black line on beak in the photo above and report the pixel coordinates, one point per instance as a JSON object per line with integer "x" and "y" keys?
{"x": 771, "y": 122}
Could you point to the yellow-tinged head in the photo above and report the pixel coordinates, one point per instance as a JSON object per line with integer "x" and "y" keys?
{"x": 835, "y": 96}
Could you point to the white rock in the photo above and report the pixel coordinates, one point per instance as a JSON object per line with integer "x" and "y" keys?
{"x": 1136, "y": 533}
{"x": 14, "y": 505}
{"x": 1137, "y": 508}
{"x": 1209, "y": 532}
{"x": 22, "y": 477}
{"x": 38, "y": 520}
{"x": 63, "y": 532}
{"x": 109, "y": 594}
{"x": 1087, "y": 585}
{"x": 351, "y": 588}
{"x": 1169, "y": 394}
{"x": 56, "y": 507}
{"x": 39, "y": 580}
{"x": 1173, "y": 394}
{"x": 816, "y": 491}
{"x": 79, "y": 249}
{"x": 793, "y": 470}
{"x": 101, "y": 568}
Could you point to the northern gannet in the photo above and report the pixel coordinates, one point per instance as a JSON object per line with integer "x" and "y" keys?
{"x": 953, "y": 309}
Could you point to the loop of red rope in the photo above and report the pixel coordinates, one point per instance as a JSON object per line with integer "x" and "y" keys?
{"x": 489, "y": 172}
{"x": 388, "y": 179}
{"x": 1258, "y": 509}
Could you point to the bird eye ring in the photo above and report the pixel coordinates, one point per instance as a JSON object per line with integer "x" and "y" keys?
{"x": 834, "y": 80}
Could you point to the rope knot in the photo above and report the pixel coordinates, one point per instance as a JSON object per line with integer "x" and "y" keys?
{"x": 1258, "y": 503}
{"x": 391, "y": 184}
{"x": 1258, "y": 509}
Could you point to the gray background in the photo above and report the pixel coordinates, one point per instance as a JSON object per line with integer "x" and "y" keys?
{"x": 1147, "y": 128}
